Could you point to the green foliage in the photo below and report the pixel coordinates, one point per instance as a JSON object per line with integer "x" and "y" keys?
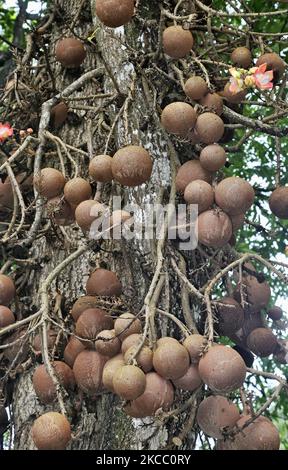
{"x": 7, "y": 19}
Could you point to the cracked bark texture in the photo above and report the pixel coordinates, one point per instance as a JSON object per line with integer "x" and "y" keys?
{"x": 101, "y": 424}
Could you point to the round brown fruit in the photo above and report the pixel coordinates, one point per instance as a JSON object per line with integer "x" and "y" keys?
{"x": 178, "y": 118}
{"x": 242, "y": 57}
{"x": 19, "y": 352}
{"x": 213, "y": 102}
{"x": 237, "y": 221}
{"x": 109, "y": 370}
{"x": 58, "y": 115}
{"x": 257, "y": 294}
{"x": 77, "y": 190}
{"x": 87, "y": 212}
{"x": 201, "y": 193}
{"x": 261, "y": 434}
{"x": 51, "y": 339}
{"x": 189, "y": 381}
{"x": 230, "y": 316}
{"x": 129, "y": 382}
{"x": 214, "y": 228}
{"x": 6, "y": 316}
{"x": 100, "y": 168}
{"x": 195, "y": 88}
{"x": 216, "y": 413}
{"x": 127, "y": 324}
{"x": 103, "y": 282}
{"x": 209, "y": 128}
{"x": 158, "y": 394}
{"x": 132, "y": 340}
{"x": 60, "y": 211}
{"x": 262, "y": 342}
{"x": 49, "y": 183}
{"x": 88, "y": 369}
{"x": 51, "y": 431}
{"x": 213, "y": 157}
{"x": 114, "y": 13}
{"x": 82, "y": 304}
{"x": 132, "y": 166}
{"x": 177, "y": 42}
{"x": 191, "y": 171}
{"x": 274, "y": 62}
{"x": 235, "y": 98}
{"x": 222, "y": 369}
{"x": 91, "y": 322}
{"x": 166, "y": 340}
{"x": 234, "y": 195}
{"x": 195, "y": 345}
{"x": 278, "y": 202}
{"x": 144, "y": 358}
{"x": 70, "y": 52}
{"x": 7, "y": 290}
{"x": 6, "y": 195}
{"x": 275, "y": 313}
{"x": 107, "y": 343}
{"x": 71, "y": 351}
{"x": 171, "y": 360}
{"x": 43, "y": 383}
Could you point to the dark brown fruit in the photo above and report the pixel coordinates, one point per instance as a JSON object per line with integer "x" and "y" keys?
{"x": 246, "y": 355}
{"x": 274, "y": 62}
{"x": 129, "y": 382}
{"x": 256, "y": 293}
{"x": 195, "y": 88}
{"x": 237, "y": 221}
{"x": 213, "y": 157}
{"x": 87, "y": 212}
{"x": 171, "y": 360}
{"x": 278, "y": 202}
{"x": 214, "y": 228}
{"x": 60, "y": 211}
{"x": 275, "y": 313}
{"x": 144, "y": 358}
{"x": 20, "y": 348}
{"x": 132, "y": 166}
{"x": 100, "y": 168}
{"x": 191, "y": 171}
{"x": 58, "y": 115}
{"x": 7, "y": 290}
{"x": 109, "y": 370}
{"x": 242, "y": 57}
{"x": 262, "y": 342}
{"x": 70, "y": 52}
{"x": 230, "y": 316}
{"x": 178, "y": 118}
{"x": 281, "y": 352}
{"x": 189, "y": 381}
{"x": 82, "y": 304}
{"x": 43, "y": 383}
{"x": 88, "y": 369}
{"x": 177, "y": 42}
{"x": 222, "y": 369}
{"x": 132, "y": 340}
{"x": 73, "y": 348}
{"x": 158, "y": 394}
{"x": 114, "y": 13}
{"x": 195, "y": 345}
{"x": 6, "y": 316}
{"x": 49, "y": 183}
{"x": 215, "y": 414}
{"x": 234, "y": 195}
{"x": 213, "y": 102}
{"x": 77, "y": 190}
{"x": 252, "y": 320}
{"x": 51, "y": 431}
{"x": 37, "y": 341}
{"x": 201, "y": 193}
{"x": 209, "y": 128}
{"x": 235, "y": 98}
{"x": 127, "y": 324}
{"x": 6, "y": 195}
{"x": 103, "y": 282}
{"x": 107, "y": 344}
{"x": 91, "y": 322}
{"x": 261, "y": 434}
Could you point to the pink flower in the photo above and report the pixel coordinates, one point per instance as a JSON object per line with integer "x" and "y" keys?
{"x": 263, "y": 79}
{"x": 5, "y": 131}
{"x": 236, "y": 85}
